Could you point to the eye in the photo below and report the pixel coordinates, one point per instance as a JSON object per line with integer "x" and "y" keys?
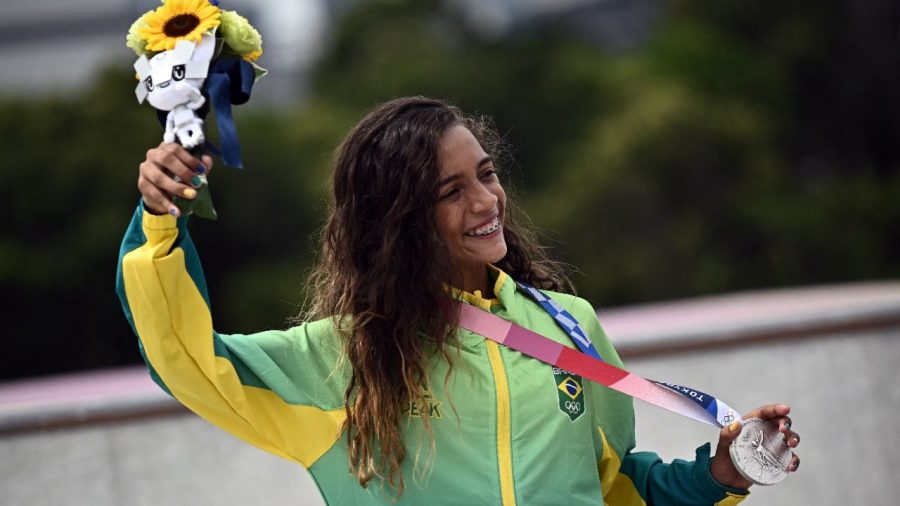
{"x": 149, "y": 83}
{"x": 488, "y": 173}
{"x": 178, "y": 72}
{"x": 450, "y": 194}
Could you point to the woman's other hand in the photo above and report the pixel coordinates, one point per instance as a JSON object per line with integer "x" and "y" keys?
{"x": 158, "y": 172}
{"x": 721, "y": 467}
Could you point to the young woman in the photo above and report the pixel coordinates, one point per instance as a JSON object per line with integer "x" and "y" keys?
{"x": 379, "y": 394}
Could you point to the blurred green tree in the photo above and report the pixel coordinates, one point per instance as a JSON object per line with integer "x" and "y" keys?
{"x": 743, "y": 145}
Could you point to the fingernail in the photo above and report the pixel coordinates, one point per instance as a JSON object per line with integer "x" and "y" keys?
{"x": 795, "y": 441}
{"x": 734, "y": 426}
{"x": 787, "y": 425}
{"x": 195, "y": 181}
{"x": 173, "y": 211}
{"x": 189, "y": 193}
{"x": 200, "y": 168}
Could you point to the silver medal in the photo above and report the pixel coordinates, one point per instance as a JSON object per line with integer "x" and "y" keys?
{"x": 760, "y": 454}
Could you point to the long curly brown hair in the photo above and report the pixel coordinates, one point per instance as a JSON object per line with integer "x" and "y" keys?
{"x": 384, "y": 270}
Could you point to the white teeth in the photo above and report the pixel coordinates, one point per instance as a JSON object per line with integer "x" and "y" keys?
{"x": 485, "y": 230}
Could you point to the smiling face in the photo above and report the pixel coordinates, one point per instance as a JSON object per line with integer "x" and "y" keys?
{"x": 470, "y": 207}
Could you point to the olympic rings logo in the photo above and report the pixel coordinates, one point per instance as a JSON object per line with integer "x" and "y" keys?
{"x": 573, "y": 407}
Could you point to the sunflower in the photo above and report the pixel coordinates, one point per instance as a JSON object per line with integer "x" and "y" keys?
{"x": 177, "y": 20}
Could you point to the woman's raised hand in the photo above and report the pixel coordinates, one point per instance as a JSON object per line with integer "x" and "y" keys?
{"x": 721, "y": 466}
{"x": 168, "y": 171}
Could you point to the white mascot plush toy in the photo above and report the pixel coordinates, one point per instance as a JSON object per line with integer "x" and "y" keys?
{"x": 171, "y": 81}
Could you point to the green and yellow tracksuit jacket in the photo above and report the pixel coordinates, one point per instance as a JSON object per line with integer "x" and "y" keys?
{"x": 507, "y": 429}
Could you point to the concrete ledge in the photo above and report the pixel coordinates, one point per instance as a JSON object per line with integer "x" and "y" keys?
{"x": 648, "y": 330}
{"x": 705, "y": 323}
{"x": 71, "y": 400}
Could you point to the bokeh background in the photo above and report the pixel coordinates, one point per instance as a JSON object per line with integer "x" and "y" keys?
{"x": 664, "y": 148}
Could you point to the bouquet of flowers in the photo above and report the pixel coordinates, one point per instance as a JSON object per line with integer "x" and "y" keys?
{"x": 192, "y": 54}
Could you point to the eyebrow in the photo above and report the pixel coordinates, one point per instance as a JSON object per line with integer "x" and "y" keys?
{"x": 450, "y": 179}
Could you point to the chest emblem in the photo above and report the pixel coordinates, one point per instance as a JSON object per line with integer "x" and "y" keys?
{"x": 569, "y": 392}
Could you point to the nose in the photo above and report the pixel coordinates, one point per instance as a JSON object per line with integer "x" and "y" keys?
{"x": 483, "y": 199}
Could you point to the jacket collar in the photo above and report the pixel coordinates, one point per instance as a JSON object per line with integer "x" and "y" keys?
{"x": 504, "y": 289}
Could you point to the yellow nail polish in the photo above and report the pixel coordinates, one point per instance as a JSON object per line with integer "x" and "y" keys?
{"x": 189, "y": 193}
{"x": 734, "y": 426}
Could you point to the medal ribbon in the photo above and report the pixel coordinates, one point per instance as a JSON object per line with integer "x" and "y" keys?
{"x": 563, "y": 318}
{"x": 589, "y": 364}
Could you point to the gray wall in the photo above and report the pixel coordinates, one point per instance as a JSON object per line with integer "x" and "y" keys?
{"x": 170, "y": 460}
{"x": 843, "y": 396}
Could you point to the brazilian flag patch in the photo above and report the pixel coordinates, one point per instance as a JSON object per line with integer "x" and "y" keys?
{"x": 570, "y": 392}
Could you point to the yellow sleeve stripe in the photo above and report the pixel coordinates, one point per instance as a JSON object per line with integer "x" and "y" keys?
{"x": 609, "y": 464}
{"x": 618, "y": 489}
{"x": 731, "y": 499}
{"x": 175, "y": 328}
{"x": 504, "y": 441}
